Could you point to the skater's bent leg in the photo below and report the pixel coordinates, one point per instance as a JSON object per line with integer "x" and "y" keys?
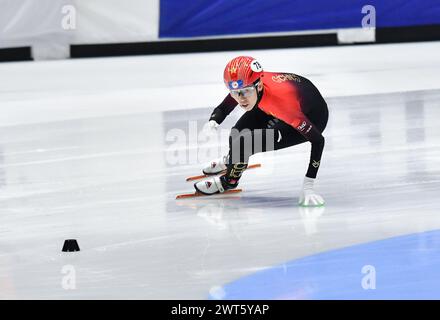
{"x": 243, "y": 144}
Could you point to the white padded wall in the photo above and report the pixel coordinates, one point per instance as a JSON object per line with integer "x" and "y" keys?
{"x": 39, "y": 24}
{"x": 115, "y": 21}
{"x": 35, "y": 23}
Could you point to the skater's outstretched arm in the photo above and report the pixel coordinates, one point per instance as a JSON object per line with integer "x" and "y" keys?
{"x": 223, "y": 109}
{"x": 309, "y": 131}
{"x": 312, "y": 134}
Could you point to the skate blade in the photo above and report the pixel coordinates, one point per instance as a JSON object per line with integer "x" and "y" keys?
{"x": 252, "y": 166}
{"x": 198, "y": 194}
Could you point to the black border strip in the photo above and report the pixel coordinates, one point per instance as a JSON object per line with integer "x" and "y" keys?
{"x": 383, "y": 35}
{"x": 15, "y": 54}
{"x": 408, "y": 34}
{"x": 211, "y": 45}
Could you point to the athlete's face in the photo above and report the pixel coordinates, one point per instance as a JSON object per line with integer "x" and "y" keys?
{"x": 247, "y": 97}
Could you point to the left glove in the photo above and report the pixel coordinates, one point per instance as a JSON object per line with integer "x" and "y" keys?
{"x": 308, "y": 196}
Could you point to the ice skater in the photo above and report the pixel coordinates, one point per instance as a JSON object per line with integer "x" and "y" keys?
{"x": 282, "y": 110}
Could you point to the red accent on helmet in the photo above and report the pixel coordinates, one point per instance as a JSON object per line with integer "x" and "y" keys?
{"x": 241, "y": 72}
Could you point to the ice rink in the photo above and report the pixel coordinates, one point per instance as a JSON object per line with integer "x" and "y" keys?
{"x": 97, "y": 149}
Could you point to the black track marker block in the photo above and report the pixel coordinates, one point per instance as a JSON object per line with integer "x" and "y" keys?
{"x": 70, "y": 245}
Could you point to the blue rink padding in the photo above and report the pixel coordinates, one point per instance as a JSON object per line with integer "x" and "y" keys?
{"x": 230, "y": 17}
{"x": 406, "y": 267}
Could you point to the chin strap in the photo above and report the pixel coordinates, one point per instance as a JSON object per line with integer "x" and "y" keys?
{"x": 259, "y": 95}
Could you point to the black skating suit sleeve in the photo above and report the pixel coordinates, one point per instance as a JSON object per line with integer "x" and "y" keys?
{"x": 223, "y": 109}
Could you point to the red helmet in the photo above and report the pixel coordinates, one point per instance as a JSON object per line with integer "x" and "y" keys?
{"x": 241, "y": 72}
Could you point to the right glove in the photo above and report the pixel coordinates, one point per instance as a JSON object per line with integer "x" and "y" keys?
{"x": 210, "y": 127}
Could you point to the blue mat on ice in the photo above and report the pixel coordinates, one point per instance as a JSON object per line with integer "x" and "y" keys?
{"x": 404, "y": 267}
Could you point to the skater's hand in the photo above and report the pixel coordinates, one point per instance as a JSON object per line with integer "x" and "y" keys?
{"x": 308, "y": 196}
{"x": 210, "y": 127}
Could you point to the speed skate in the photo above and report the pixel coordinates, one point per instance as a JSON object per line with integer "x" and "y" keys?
{"x": 206, "y": 176}
{"x": 199, "y": 194}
